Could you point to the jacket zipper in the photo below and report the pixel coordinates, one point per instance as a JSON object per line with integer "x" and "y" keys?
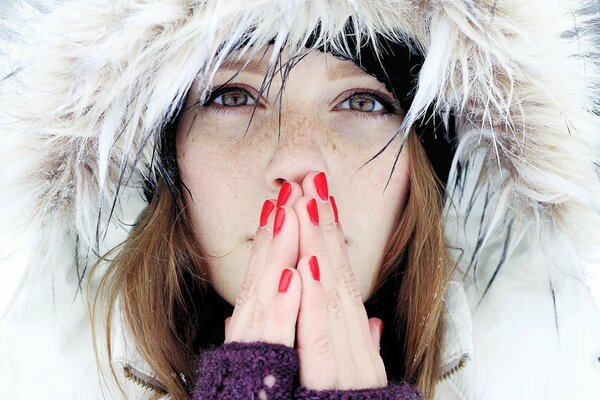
{"x": 142, "y": 380}
{"x": 462, "y": 363}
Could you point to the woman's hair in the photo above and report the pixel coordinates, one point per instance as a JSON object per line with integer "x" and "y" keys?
{"x": 159, "y": 278}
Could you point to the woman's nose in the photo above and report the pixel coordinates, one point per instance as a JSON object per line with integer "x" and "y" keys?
{"x": 297, "y": 153}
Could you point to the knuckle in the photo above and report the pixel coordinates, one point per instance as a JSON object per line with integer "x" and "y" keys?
{"x": 346, "y": 280}
{"x": 329, "y": 227}
{"x": 332, "y": 300}
{"x": 354, "y": 292}
{"x": 339, "y": 269}
{"x": 242, "y": 298}
{"x": 323, "y": 347}
{"x": 258, "y": 315}
{"x": 244, "y": 294}
{"x": 351, "y": 286}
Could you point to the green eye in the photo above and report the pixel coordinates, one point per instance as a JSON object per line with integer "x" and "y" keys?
{"x": 362, "y": 102}
{"x": 232, "y": 97}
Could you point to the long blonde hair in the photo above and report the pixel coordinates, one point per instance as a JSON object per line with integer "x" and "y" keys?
{"x": 158, "y": 272}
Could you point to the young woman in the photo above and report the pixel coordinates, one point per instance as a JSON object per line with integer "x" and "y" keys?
{"x": 231, "y": 200}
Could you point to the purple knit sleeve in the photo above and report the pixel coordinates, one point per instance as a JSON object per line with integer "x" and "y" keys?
{"x": 400, "y": 391}
{"x": 255, "y": 370}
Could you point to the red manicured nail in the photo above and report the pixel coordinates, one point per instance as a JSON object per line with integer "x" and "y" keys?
{"x": 284, "y": 282}
{"x": 380, "y": 328}
{"x": 334, "y": 206}
{"x": 279, "y": 218}
{"x": 284, "y": 193}
{"x": 266, "y": 211}
{"x": 314, "y": 268}
{"x": 313, "y": 211}
{"x": 321, "y": 186}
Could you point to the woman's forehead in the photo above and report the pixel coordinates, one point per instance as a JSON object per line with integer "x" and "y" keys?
{"x": 332, "y": 67}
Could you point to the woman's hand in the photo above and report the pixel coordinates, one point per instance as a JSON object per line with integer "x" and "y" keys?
{"x": 338, "y": 345}
{"x": 267, "y": 303}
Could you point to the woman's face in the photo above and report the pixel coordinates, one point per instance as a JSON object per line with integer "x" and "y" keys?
{"x": 334, "y": 118}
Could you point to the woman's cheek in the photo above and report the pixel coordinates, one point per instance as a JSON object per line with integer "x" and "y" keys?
{"x": 226, "y": 126}
{"x": 364, "y": 129}
{"x": 203, "y": 174}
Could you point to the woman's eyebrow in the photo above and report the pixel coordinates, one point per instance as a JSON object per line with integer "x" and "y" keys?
{"x": 259, "y": 67}
{"x": 344, "y": 70}
{"x": 252, "y": 67}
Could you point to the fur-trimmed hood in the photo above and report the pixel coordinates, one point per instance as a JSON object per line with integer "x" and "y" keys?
{"x": 86, "y": 87}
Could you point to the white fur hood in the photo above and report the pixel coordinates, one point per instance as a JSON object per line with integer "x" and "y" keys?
{"x": 85, "y": 87}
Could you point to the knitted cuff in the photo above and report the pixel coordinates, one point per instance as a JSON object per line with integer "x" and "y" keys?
{"x": 401, "y": 391}
{"x": 255, "y": 370}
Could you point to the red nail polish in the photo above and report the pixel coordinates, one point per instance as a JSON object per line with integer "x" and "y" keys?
{"x": 321, "y": 186}
{"x": 266, "y": 211}
{"x": 279, "y": 218}
{"x": 284, "y": 193}
{"x": 314, "y": 268}
{"x": 380, "y": 328}
{"x": 334, "y": 206}
{"x": 284, "y": 281}
{"x": 313, "y": 211}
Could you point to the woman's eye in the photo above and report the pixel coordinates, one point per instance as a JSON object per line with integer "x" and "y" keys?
{"x": 362, "y": 102}
{"x": 232, "y": 97}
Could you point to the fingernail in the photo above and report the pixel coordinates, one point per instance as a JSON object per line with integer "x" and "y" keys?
{"x": 314, "y": 268}
{"x": 313, "y": 212}
{"x": 321, "y": 186}
{"x": 380, "y": 328}
{"x": 284, "y": 282}
{"x": 266, "y": 211}
{"x": 334, "y": 206}
{"x": 284, "y": 193}
{"x": 279, "y": 218}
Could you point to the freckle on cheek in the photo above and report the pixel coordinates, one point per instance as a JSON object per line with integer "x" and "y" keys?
{"x": 333, "y": 146}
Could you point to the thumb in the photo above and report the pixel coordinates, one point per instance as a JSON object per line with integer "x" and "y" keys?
{"x": 376, "y": 328}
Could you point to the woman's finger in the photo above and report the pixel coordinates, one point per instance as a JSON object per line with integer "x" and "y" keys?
{"x": 356, "y": 361}
{"x": 275, "y": 247}
{"x": 245, "y": 298}
{"x": 376, "y": 328}
{"x": 289, "y": 192}
{"x": 315, "y": 185}
{"x": 280, "y": 318}
{"x": 323, "y": 237}
{"x": 315, "y": 346}
{"x": 282, "y": 252}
